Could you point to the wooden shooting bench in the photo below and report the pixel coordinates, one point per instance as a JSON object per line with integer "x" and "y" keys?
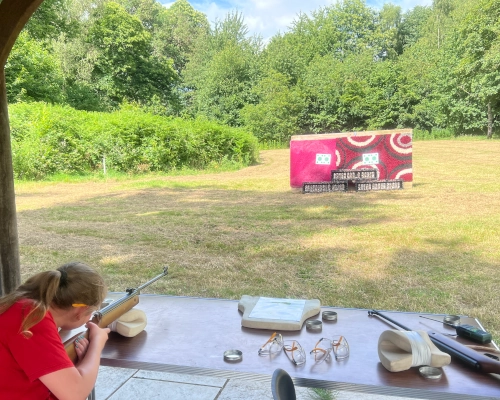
{"x": 190, "y": 335}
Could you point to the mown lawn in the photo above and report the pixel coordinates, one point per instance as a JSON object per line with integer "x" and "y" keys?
{"x": 434, "y": 247}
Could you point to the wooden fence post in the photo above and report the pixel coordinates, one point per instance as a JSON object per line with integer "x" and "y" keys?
{"x": 10, "y": 276}
{"x": 13, "y": 16}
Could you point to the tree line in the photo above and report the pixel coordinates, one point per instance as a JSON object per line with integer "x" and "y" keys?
{"x": 343, "y": 67}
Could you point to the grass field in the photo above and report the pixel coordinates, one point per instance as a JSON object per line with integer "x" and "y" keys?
{"x": 434, "y": 247}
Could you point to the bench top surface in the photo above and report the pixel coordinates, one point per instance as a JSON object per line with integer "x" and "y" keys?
{"x": 190, "y": 335}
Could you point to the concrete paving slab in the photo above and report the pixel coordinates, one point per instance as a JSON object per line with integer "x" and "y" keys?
{"x": 181, "y": 378}
{"x": 124, "y": 384}
{"x": 342, "y": 395}
{"x": 110, "y": 379}
{"x": 148, "y": 389}
{"x": 247, "y": 390}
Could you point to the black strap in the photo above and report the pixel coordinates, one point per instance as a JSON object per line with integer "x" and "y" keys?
{"x": 64, "y": 277}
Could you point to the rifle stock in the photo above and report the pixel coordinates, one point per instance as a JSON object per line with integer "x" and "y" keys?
{"x": 110, "y": 313}
{"x": 476, "y": 360}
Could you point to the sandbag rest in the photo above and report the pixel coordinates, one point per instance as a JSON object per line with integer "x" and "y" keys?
{"x": 130, "y": 324}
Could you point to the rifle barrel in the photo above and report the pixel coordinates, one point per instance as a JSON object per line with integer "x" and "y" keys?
{"x": 130, "y": 293}
{"x": 379, "y": 314}
{"x": 165, "y": 272}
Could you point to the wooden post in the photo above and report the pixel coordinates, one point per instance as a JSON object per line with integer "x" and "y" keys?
{"x": 490, "y": 121}
{"x": 10, "y": 276}
{"x": 13, "y": 16}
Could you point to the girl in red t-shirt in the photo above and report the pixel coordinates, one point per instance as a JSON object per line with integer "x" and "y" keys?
{"x": 33, "y": 362}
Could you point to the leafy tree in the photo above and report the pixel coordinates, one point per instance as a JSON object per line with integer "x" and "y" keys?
{"x": 341, "y": 29}
{"x": 77, "y": 59}
{"x": 277, "y": 115}
{"x": 222, "y": 71}
{"x": 124, "y": 66}
{"x": 181, "y": 27}
{"x": 227, "y": 86}
{"x": 32, "y": 72}
{"x": 419, "y": 98}
{"x": 50, "y": 20}
{"x": 322, "y": 88}
{"x": 383, "y": 94}
{"x": 477, "y": 75}
{"x": 349, "y": 27}
{"x": 353, "y": 108}
{"x": 442, "y": 10}
{"x": 386, "y": 35}
{"x": 147, "y": 11}
{"x": 283, "y": 55}
{"x": 344, "y": 28}
{"x": 344, "y": 66}
{"x": 412, "y": 26}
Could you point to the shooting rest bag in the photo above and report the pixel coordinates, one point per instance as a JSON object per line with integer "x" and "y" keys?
{"x": 395, "y": 350}
{"x": 247, "y": 304}
{"x": 130, "y": 324}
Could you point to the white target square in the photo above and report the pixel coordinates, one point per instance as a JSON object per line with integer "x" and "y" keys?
{"x": 370, "y": 158}
{"x": 323, "y": 159}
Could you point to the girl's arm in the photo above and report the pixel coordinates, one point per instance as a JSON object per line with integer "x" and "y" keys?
{"x": 77, "y": 382}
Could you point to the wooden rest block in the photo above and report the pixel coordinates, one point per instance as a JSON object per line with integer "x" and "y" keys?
{"x": 395, "y": 351}
{"x": 247, "y": 304}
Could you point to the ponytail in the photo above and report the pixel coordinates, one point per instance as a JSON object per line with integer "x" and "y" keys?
{"x": 71, "y": 283}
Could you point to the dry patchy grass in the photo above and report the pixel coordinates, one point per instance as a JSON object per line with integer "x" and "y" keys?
{"x": 434, "y": 248}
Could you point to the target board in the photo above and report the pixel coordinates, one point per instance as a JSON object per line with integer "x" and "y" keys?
{"x": 314, "y": 157}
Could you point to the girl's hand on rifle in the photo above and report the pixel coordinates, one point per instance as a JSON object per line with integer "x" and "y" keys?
{"x": 97, "y": 335}
{"x": 81, "y": 346}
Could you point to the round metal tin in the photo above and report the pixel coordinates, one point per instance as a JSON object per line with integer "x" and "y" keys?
{"x": 329, "y": 315}
{"x": 314, "y": 325}
{"x": 233, "y": 355}
{"x": 452, "y": 319}
{"x": 430, "y": 372}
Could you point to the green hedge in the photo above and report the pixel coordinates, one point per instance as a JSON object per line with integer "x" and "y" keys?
{"x": 50, "y": 139}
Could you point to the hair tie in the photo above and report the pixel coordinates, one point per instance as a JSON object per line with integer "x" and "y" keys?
{"x": 63, "y": 281}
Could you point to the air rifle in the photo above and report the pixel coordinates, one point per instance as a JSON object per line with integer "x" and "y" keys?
{"x": 111, "y": 313}
{"x": 480, "y": 361}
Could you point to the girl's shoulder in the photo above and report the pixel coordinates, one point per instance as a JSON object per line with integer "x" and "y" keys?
{"x": 13, "y": 317}
{"x": 23, "y": 306}
{"x": 20, "y": 307}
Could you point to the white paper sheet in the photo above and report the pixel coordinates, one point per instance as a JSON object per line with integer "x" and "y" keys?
{"x": 281, "y": 309}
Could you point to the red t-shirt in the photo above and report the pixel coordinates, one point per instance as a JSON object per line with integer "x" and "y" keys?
{"x": 23, "y": 361}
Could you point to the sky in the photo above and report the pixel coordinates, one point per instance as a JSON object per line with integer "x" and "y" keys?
{"x": 268, "y": 17}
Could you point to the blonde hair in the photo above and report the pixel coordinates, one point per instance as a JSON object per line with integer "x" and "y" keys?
{"x": 72, "y": 283}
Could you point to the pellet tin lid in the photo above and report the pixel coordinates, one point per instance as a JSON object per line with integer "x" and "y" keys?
{"x": 314, "y": 325}
{"x": 233, "y": 355}
{"x": 452, "y": 319}
{"x": 329, "y": 315}
{"x": 430, "y": 372}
